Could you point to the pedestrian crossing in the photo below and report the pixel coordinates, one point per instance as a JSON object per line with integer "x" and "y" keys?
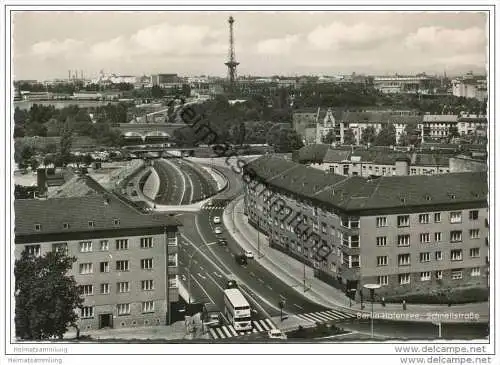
{"x": 206, "y": 207}
{"x": 326, "y": 316}
{"x": 229, "y": 331}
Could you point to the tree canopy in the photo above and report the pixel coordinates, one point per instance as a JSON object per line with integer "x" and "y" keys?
{"x": 46, "y": 297}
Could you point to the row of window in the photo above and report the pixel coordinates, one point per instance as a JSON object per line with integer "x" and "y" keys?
{"x": 123, "y": 265}
{"x": 65, "y": 225}
{"x": 404, "y": 239}
{"x": 404, "y": 259}
{"x": 424, "y": 218}
{"x": 124, "y": 286}
{"x": 122, "y": 309}
{"x": 403, "y": 279}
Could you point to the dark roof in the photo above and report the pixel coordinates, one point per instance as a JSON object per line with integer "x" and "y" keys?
{"x": 357, "y": 193}
{"x": 103, "y": 209}
{"x": 313, "y": 153}
{"x": 430, "y": 159}
{"x": 382, "y": 117}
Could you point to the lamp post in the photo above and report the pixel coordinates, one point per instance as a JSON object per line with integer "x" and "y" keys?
{"x": 372, "y": 288}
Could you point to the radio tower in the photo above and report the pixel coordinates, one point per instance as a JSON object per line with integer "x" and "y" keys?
{"x": 231, "y": 63}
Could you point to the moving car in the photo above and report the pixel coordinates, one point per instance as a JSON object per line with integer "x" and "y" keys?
{"x": 241, "y": 259}
{"x": 222, "y": 242}
{"x": 216, "y": 220}
{"x": 218, "y": 230}
{"x": 276, "y": 335}
{"x": 231, "y": 284}
{"x": 211, "y": 315}
{"x": 248, "y": 254}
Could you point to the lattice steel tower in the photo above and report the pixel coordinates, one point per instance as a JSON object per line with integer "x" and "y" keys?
{"x": 231, "y": 63}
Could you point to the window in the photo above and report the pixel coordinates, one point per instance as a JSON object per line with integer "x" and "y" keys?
{"x": 439, "y": 274}
{"x": 122, "y": 265}
{"x": 456, "y": 236}
{"x": 473, "y": 215}
{"x": 123, "y": 309}
{"x": 404, "y": 259}
{"x": 60, "y": 247}
{"x": 146, "y": 242}
{"x": 383, "y": 280}
{"x": 38, "y": 227}
{"x": 439, "y": 255}
{"x": 455, "y": 217}
{"x": 104, "y": 288}
{"x": 474, "y": 252}
{"x": 172, "y": 281}
{"x": 403, "y": 240}
{"x": 456, "y": 255}
{"x": 87, "y": 312}
{"x": 474, "y": 234}
{"x": 104, "y": 266}
{"x": 122, "y": 244}
{"x": 381, "y": 260}
{"x": 475, "y": 271}
{"x": 172, "y": 259}
{"x": 86, "y": 246}
{"x": 404, "y": 279}
{"x": 382, "y": 241}
{"x": 403, "y": 220}
{"x": 91, "y": 224}
{"x": 86, "y": 268}
{"x": 437, "y": 217}
{"x": 456, "y": 274}
{"x": 147, "y": 285}
{"x": 86, "y": 289}
{"x": 425, "y": 276}
{"x": 354, "y": 261}
{"x": 123, "y": 287}
{"x": 104, "y": 245}
{"x": 65, "y": 225}
{"x": 423, "y": 218}
{"x": 381, "y": 221}
{"x": 148, "y": 307}
{"x": 425, "y": 257}
{"x": 424, "y": 238}
{"x": 147, "y": 264}
{"x": 116, "y": 222}
{"x": 33, "y": 250}
{"x": 437, "y": 237}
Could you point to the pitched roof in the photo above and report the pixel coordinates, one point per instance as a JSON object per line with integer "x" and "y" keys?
{"x": 440, "y": 118}
{"x": 103, "y": 209}
{"x": 357, "y": 193}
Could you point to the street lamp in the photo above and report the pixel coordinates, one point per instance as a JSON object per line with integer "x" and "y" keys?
{"x": 282, "y": 305}
{"x": 372, "y": 288}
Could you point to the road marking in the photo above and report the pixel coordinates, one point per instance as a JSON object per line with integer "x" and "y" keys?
{"x": 201, "y": 276}
{"x": 226, "y": 332}
{"x": 282, "y": 297}
{"x": 262, "y": 281}
{"x": 202, "y": 288}
{"x": 196, "y": 262}
{"x": 252, "y": 274}
{"x": 183, "y": 277}
{"x": 270, "y": 323}
{"x": 217, "y": 274}
{"x": 211, "y": 243}
{"x": 269, "y": 287}
{"x": 232, "y": 254}
{"x": 256, "y": 324}
{"x": 233, "y": 331}
{"x": 201, "y": 267}
{"x": 220, "y": 333}
{"x": 298, "y": 306}
{"x": 213, "y": 333}
{"x": 180, "y": 262}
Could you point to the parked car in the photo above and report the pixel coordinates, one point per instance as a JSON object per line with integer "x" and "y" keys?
{"x": 218, "y": 230}
{"x": 222, "y": 242}
{"x": 276, "y": 335}
{"x": 217, "y": 220}
{"x": 241, "y": 259}
{"x": 248, "y": 254}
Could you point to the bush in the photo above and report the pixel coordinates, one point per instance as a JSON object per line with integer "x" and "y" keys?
{"x": 460, "y": 296}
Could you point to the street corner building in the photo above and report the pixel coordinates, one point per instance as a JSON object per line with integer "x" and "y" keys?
{"x": 409, "y": 234}
{"x": 126, "y": 266}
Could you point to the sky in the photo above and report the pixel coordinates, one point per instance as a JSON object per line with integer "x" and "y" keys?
{"x": 45, "y": 45}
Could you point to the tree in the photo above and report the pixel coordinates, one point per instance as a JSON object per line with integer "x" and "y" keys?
{"x": 34, "y": 163}
{"x": 349, "y": 136}
{"x": 386, "y": 136}
{"x": 287, "y": 140}
{"x": 65, "y": 144}
{"x": 328, "y": 138}
{"x": 238, "y": 133}
{"x": 369, "y": 134}
{"x": 46, "y": 297}
{"x": 453, "y": 132}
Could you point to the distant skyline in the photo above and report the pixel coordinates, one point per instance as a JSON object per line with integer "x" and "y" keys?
{"x": 45, "y": 45}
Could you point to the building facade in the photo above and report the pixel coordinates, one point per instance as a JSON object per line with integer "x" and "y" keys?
{"x": 393, "y": 231}
{"x": 126, "y": 262}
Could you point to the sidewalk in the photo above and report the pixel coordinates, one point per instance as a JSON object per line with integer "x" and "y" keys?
{"x": 291, "y": 272}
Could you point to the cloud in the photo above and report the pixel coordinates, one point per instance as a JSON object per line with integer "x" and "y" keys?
{"x": 339, "y": 35}
{"x": 444, "y": 39}
{"x": 112, "y": 49}
{"x": 55, "y": 47}
{"x": 278, "y": 45}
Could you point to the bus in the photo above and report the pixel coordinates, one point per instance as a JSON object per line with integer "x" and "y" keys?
{"x": 237, "y": 310}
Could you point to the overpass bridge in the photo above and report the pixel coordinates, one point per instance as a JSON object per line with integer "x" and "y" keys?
{"x": 149, "y": 131}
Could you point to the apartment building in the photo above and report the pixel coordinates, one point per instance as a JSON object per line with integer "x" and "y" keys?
{"x": 126, "y": 266}
{"x": 371, "y": 162}
{"x": 409, "y": 234}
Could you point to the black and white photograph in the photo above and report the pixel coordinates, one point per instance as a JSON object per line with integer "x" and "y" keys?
{"x": 249, "y": 179}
